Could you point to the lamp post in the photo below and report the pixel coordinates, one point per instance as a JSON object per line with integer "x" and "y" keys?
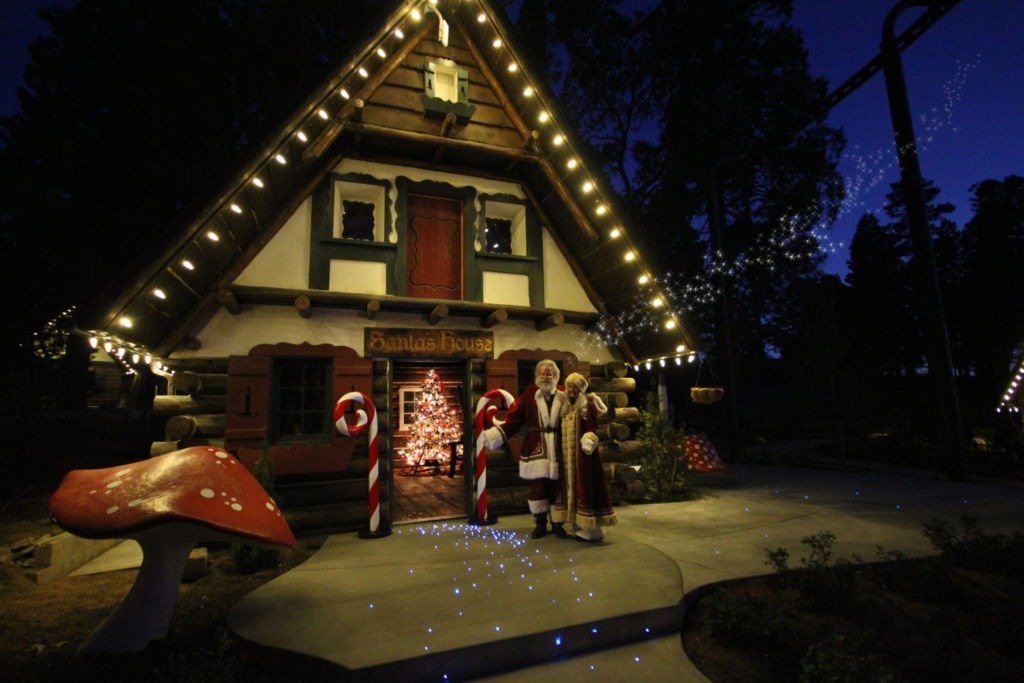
{"x": 940, "y": 363}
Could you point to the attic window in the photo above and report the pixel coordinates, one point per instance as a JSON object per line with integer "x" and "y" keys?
{"x": 446, "y": 90}
{"x": 499, "y": 235}
{"x": 357, "y": 220}
{"x": 359, "y": 211}
{"x": 504, "y": 227}
{"x": 447, "y": 81}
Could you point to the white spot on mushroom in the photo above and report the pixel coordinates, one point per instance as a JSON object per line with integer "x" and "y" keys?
{"x": 112, "y": 509}
{"x": 207, "y": 493}
{"x": 233, "y": 499}
{"x": 221, "y": 454}
{"x": 236, "y": 506}
{"x": 223, "y": 493}
{"x": 93, "y": 491}
{"x": 116, "y": 482}
{"x": 134, "y": 503}
{"x": 270, "y": 506}
{"x": 121, "y": 473}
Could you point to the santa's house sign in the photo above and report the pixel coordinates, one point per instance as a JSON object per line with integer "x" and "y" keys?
{"x": 413, "y": 342}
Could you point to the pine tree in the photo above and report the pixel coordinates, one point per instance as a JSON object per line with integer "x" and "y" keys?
{"x": 435, "y": 425}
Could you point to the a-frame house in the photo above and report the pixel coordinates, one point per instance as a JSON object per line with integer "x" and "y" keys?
{"x": 427, "y": 207}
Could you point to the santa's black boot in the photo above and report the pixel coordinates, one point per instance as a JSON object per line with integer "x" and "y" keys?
{"x": 541, "y": 529}
{"x": 558, "y": 529}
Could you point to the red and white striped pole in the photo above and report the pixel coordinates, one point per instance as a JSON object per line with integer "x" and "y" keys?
{"x": 485, "y": 411}
{"x": 366, "y": 421}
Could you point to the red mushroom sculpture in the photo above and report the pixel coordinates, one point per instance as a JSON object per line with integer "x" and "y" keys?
{"x": 168, "y": 504}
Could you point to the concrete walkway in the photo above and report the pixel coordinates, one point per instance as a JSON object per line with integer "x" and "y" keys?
{"x": 448, "y": 601}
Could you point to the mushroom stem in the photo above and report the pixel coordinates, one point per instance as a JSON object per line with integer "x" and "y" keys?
{"x": 145, "y": 613}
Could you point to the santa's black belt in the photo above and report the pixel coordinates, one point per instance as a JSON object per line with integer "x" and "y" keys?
{"x": 545, "y": 430}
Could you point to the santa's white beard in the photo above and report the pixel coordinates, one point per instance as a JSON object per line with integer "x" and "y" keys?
{"x": 547, "y": 386}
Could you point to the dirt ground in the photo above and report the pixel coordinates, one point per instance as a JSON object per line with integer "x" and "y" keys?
{"x": 42, "y": 626}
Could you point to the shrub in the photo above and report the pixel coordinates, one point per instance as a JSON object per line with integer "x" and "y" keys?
{"x": 827, "y": 584}
{"x": 835, "y": 661}
{"x": 663, "y": 473}
{"x": 250, "y": 558}
{"x": 743, "y": 619}
{"x": 971, "y": 547}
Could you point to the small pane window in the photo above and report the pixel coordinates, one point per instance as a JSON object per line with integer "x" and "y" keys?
{"x": 407, "y": 413}
{"x": 499, "y": 236}
{"x": 357, "y": 220}
{"x": 301, "y": 400}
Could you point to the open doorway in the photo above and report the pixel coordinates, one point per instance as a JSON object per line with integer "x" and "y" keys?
{"x": 428, "y": 464}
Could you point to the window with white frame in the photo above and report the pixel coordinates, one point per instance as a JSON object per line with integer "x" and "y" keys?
{"x": 446, "y": 80}
{"x": 407, "y": 397}
{"x": 359, "y": 211}
{"x": 504, "y": 228}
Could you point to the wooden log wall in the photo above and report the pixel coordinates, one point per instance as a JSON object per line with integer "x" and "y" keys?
{"x": 620, "y": 448}
{"x": 194, "y": 414}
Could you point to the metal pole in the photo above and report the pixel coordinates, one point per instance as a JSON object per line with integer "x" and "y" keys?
{"x": 940, "y": 363}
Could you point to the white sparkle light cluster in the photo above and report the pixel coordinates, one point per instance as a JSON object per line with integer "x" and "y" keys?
{"x": 801, "y": 235}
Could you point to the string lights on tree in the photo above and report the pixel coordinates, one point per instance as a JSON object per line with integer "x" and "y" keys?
{"x": 435, "y": 426}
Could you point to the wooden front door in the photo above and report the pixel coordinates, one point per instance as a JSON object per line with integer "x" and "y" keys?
{"x": 434, "y": 248}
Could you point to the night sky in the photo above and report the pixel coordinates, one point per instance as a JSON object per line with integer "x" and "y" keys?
{"x": 965, "y": 77}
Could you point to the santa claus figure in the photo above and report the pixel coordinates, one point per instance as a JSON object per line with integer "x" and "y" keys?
{"x": 583, "y": 504}
{"x": 538, "y": 410}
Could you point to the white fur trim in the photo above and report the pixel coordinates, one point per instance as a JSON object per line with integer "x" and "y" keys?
{"x": 538, "y": 506}
{"x": 493, "y": 437}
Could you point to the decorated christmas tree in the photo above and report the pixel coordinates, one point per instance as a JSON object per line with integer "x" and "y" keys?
{"x": 435, "y": 425}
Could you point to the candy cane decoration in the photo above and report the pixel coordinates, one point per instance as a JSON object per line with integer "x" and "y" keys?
{"x": 366, "y": 419}
{"x": 484, "y": 418}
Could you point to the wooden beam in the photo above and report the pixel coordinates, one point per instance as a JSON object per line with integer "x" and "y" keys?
{"x": 303, "y": 306}
{"x": 529, "y": 145}
{"x": 553, "y": 320}
{"x": 272, "y": 296}
{"x": 229, "y": 302}
{"x": 453, "y": 143}
{"x": 497, "y": 316}
{"x": 328, "y": 135}
{"x": 567, "y": 199}
{"x": 439, "y": 313}
{"x": 372, "y": 308}
{"x": 447, "y": 125}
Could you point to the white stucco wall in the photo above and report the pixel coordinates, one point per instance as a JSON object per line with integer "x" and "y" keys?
{"x": 358, "y": 277}
{"x": 506, "y": 289}
{"x": 284, "y": 261}
{"x": 561, "y": 288}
